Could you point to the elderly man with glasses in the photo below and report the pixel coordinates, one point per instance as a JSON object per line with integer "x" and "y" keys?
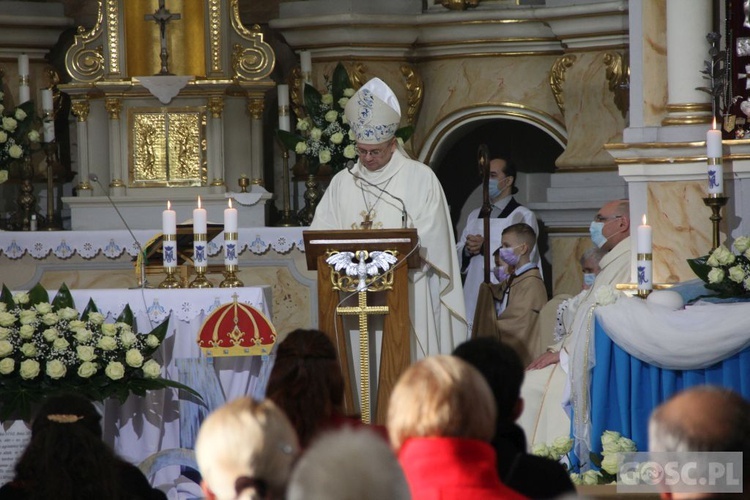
{"x": 386, "y": 189}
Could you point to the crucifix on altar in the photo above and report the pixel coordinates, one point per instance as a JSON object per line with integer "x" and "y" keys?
{"x": 162, "y": 16}
{"x": 360, "y": 262}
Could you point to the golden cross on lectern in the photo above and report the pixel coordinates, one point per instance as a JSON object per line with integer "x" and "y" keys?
{"x": 363, "y": 311}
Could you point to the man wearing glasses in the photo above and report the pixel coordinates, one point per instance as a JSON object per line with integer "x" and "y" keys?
{"x": 386, "y": 189}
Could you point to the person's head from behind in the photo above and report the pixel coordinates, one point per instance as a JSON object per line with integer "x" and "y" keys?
{"x": 306, "y": 381}
{"x": 502, "y": 178}
{"x": 441, "y": 396}
{"x": 590, "y": 265}
{"x": 245, "y": 450}
{"x": 66, "y": 457}
{"x": 611, "y": 224}
{"x": 335, "y": 467}
{"x": 501, "y": 367}
{"x": 517, "y": 242}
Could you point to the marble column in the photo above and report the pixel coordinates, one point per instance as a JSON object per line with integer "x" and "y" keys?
{"x": 255, "y": 108}
{"x": 116, "y": 174}
{"x": 688, "y": 23}
{"x": 80, "y": 109}
{"x": 216, "y": 144}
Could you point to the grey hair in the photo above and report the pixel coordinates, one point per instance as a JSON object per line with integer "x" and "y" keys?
{"x": 594, "y": 252}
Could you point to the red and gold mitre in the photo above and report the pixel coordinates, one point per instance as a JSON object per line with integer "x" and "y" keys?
{"x": 236, "y": 329}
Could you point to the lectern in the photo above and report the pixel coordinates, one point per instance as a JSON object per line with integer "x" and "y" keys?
{"x": 360, "y": 262}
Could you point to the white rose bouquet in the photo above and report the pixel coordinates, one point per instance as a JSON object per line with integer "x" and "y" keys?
{"x": 18, "y": 134}
{"x": 724, "y": 271}
{"x": 49, "y": 347}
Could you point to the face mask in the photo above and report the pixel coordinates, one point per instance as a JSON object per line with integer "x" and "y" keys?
{"x": 595, "y": 229}
{"x": 509, "y": 255}
{"x": 588, "y": 279}
{"x": 494, "y": 190}
{"x": 501, "y": 274}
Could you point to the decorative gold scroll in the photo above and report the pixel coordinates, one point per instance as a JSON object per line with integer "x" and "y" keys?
{"x": 618, "y": 76}
{"x": 557, "y": 78}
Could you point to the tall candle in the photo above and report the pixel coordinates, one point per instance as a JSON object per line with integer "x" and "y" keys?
{"x": 24, "y": 93}
{"x": 169, "y": 220}
{"x": 230, "y": 236}
{"x": 47, "y": 103}
{"x": 644, "y": 263}
{"x": 644, "y": 237}
{"x": 48, "y": 123}
{"x": 713, "y": 142}
{"x": 230, "y": 219}
{"x": 169, "y": 236}
{"x": 199, "y": 219}
{"x": 305, "y": 61}
{"x": 284, "y": 122}
{"x": 23, "y": 65}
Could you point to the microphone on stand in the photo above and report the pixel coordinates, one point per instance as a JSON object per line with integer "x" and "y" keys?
{"x": 95, "y": 178}
{"x": 350, "y": 165}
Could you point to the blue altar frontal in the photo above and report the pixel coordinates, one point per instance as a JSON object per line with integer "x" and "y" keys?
{"x": 626, "y": 389}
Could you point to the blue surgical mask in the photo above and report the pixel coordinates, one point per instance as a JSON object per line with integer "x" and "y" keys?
{"x": 509, "y": 255}
{"x": 494, "y": 190}
{"x": 595, "y": 229}
{"x": 588, "y": 279}
{"x": 500, "y": 273}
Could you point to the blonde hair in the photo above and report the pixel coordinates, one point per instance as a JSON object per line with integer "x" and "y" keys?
{"x": 441, "y": 396}
{"x": 245, "y": 450}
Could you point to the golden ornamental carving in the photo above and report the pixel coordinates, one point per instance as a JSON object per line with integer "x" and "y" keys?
{"x": 84, "y": 60}
{"x": 113, "y": 105}
{"x": 459, "y": 4}
{"x": 113, "y": 39}
{"x": 214, "y": 34}
{"x": 618, "y": 76}
{"x": 80, "y": 109}
{"x": 255, "y": 62}
{"x": 255, "y": 108}
{"x": 557, "y": 78}
{"x": 295, "y": 91}
{"x": 349, "y": 283}
{"x": 215, "y": 106}
{"x": 415, "y": 88}
{"x": 357, "y": 75}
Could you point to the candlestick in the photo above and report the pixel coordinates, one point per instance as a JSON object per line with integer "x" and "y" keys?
{"x": 284, "y": 119}
{"x": 24, "y": 92}
{"x": 644, "y": 259}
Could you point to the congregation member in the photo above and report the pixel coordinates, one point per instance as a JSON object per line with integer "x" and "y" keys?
{"x": 702, "y": 418}
{"x": 501, "y": 367}
{"x": 441, "y": 418}
{"x": 506, "y": 211}
{"x": 557, "y": 378}
{"x": 66, "y": 459}
{"x": 245, "y": 450}
{"x": 307, "y": 384}
{"x": 386, "y": 189}
{"x": 346, "y": 464}
{"x": 590, "y": 265}
{"x": 519, "y": 297}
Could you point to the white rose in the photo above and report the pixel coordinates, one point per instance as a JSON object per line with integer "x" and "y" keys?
{"x": 123, "y": 327}
{"x": 352, "y": 137}
{"x": 606, "y": 295}
{"x": 28, "y": 349}
{"x": 737, "y": 274}
{"x": 56, "y": 369}
{"x": 350, "y": 152}
{"x": 26, "y": 331}
{"x": 128, "y": 338}
{"x": 83, "y": 335}
{"x": 540, "y": 450}
{"x": 21, "y": 298}
{"x": 300, "y": 148}
{"x": 742, "y": 244}
{"x": 85, "y": 352}
{"x": 331, "y": 116}
{"x": 7, "y": 365}
{"x": 152, "y": 341}
{"x": 68, "y": 313}
{"x": 723, "y": 255}
{"x": 304, "y": 124}
{"x": 33, "y": 136}
{"x": 610, "y": 437}
{"x": 96, "y": 318}
{"x": 343, "y": 101}
{"x": 562, "y": 445}
{"x": 348, "y": 92}
{"x": 7, "y": 319}
{"x": 324, "y": 156}
{"x": 151, "y": 369}
{"x": 87, "y": 369}
{"x": 746, "y": 284}
{"x": 6, "y": 348}
{"x": 326, "y": 99}
{"x": 4, "y": 333}
{"x": 3, "y": 307}
{"x": 610, "y": 447}
{"x": 50, "y": 334}
{"x": 716, "y": 275}
{"x": 134, "y": 358}
{"x": 107, "y": 344}
{"x": 20, "y": 114}
{"x": 9, "y": 123}
{"x": 50, "y": 319}
{"x": 3, "y": 133}
{"x": 575, "y": 478}
{"x": 591, "y": 477}
{"x": 115, "y": 370}
{"x": 109, "y": 329}
{"x": 316, "y": 134}
{"x": 60, "y": 344}
{"x": 337, "y": 138}
{"x": 43, "y": 308}
{"x": 626, "y": 444}
{"x": 75, "y": 324}
{"x": 29, "y": 369}
{"x": 15, "y": 151}
{"x": 611, "y": 463}
{"x": 27, "y": 317}
{"x": 400, "y": 141}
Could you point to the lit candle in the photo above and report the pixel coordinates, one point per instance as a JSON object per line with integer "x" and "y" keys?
{"x": 169, "y": 237}
{"x": 230, "y": 219}
{"x": 713, "y": 142}
{"x": 23, "y": 65}
{"x": 644, "y": 259}
{"x": 284, "y": 123}
{"x": 199, "y": 219}
{"x": 305, "y": 61}
{"x": 169, "y": 220}
{"x": 200, "y": 257}
{"x": 230, "y": 236}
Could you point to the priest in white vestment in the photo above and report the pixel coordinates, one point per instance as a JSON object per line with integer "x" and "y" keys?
{"x": 385, "y": 189}
{"x": 560, "y": 376}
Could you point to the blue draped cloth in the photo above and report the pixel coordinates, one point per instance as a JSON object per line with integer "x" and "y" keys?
{"x": 625, "y": 390}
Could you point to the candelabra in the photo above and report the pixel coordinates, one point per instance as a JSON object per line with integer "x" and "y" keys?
{"x": 287, "y": 215}
{"x": 231, "y": 261}
{"x": 715, "y": 202}
{"x": 50, "y": 151}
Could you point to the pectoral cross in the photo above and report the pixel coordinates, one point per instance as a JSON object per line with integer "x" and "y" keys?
{"x": 366, "y": 220}
{"x": 161, "y": 17}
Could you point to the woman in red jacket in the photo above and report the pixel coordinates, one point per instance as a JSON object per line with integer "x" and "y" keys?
{"x": 441, "y": 418}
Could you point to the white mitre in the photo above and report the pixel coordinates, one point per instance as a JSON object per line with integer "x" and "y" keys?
{"x": 373, "y": 113}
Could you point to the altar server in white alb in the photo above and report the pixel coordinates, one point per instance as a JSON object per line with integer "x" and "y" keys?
{"x": 408, "y": 194}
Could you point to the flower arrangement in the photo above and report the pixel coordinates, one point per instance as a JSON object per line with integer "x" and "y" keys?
{"x": 49, "y": 347}
{"x": 608, "y": 462}
{"x": 726, "y": 272}
{"x": 323, "y": 136}
{"x": 18, "y": 134}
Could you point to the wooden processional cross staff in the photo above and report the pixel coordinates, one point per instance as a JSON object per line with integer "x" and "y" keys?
{"x": 161, "y": 17}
